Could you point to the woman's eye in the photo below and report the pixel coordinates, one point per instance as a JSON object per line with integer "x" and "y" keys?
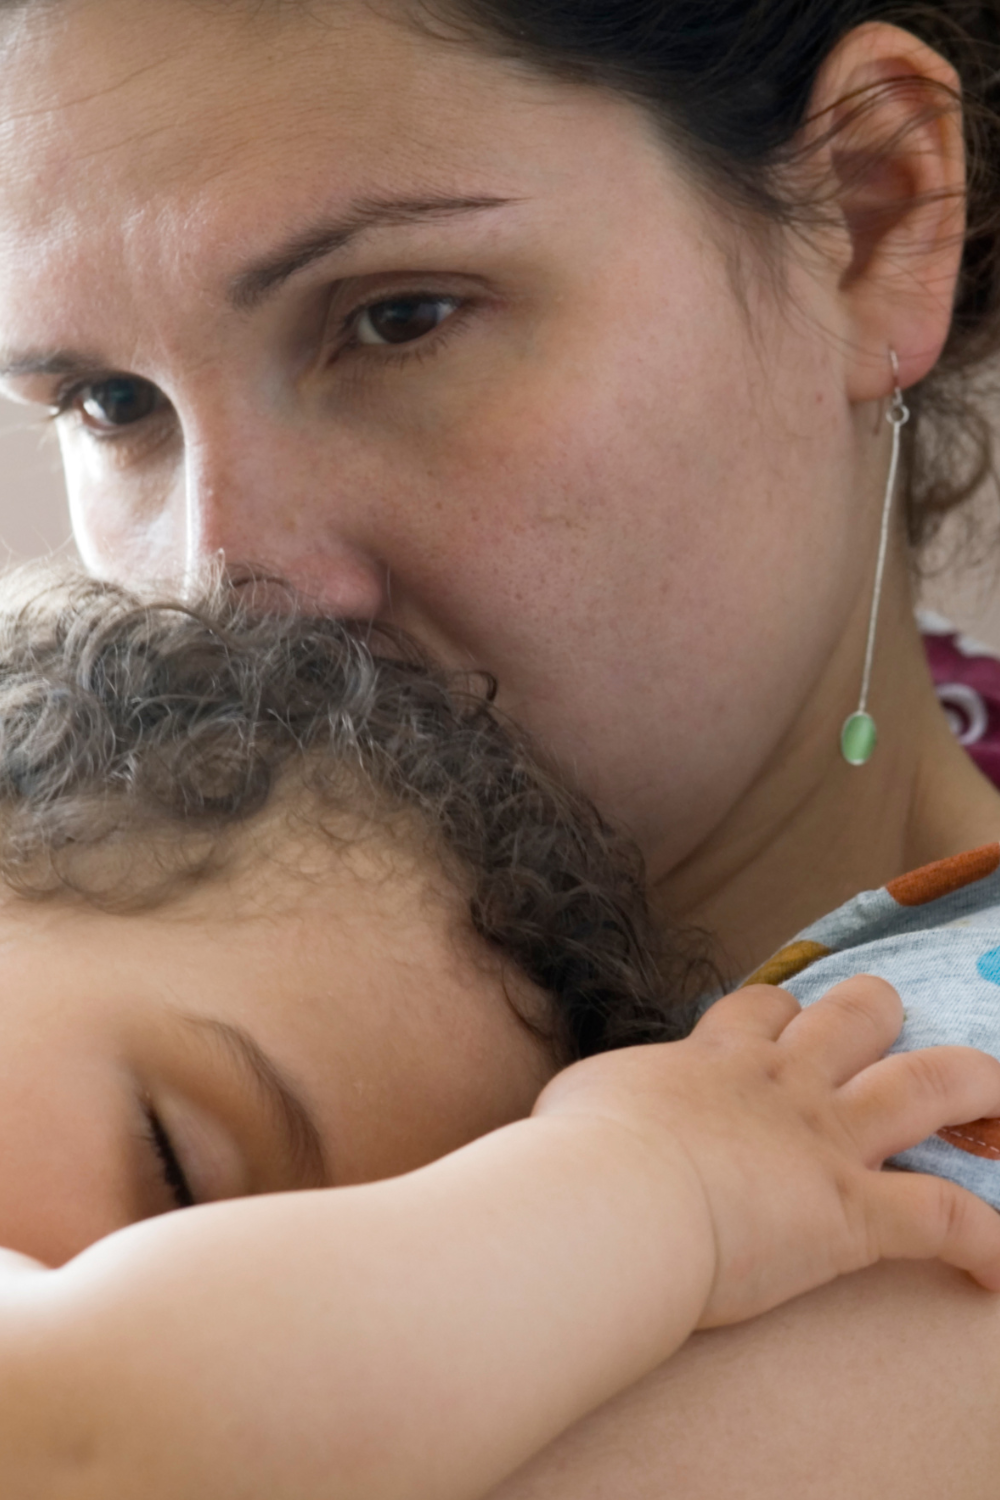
{"x": 120, "y": 401}
{"x": 403, "y": 320}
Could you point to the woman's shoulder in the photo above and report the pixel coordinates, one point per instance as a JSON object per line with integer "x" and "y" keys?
{"x": 880, "y": 1386}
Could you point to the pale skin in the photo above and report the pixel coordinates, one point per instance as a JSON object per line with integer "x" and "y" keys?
{"x": 414, "y": 1300}
{"x": 505, "y": 498}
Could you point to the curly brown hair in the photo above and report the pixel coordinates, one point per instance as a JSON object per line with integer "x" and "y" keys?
{"x": 166, "y": 726}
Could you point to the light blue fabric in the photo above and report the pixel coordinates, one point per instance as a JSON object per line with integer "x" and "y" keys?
{"x": 944, "y": 959}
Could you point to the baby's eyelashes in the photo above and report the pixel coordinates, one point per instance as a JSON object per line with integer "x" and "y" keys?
{"x": 171, "y": 1169}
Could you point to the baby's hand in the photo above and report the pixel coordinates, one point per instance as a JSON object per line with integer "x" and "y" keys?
{"x": 783, "y": 1118}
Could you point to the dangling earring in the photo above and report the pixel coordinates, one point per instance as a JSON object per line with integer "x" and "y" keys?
{"x": 859, "y": 735}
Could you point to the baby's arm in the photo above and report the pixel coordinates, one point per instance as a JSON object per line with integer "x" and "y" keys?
{"x": 418, "y": 1339}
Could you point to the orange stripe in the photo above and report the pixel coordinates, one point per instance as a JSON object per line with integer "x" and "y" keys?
{"x": 981, "y": 1138}
{"x": 945, "y": 876}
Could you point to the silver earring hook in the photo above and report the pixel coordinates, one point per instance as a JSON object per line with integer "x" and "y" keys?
{"x": 899, "y": 413}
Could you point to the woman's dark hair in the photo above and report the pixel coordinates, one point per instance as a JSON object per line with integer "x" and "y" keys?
{"x": 153, "y": 731}
{"x": 730, "y": 82}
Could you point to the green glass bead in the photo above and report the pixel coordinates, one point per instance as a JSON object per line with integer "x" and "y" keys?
{"x": 858, "y": 739}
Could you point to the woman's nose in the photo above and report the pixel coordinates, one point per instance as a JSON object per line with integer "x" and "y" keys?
{"x": 286, "y": 520}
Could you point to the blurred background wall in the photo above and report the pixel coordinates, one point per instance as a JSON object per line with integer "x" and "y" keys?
{"x": 33, "y": 516}
{"x": 965, "y": 573}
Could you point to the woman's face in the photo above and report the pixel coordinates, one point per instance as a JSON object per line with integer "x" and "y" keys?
{"x": 441, "y": 341}
{"x": 265, "y": 1033}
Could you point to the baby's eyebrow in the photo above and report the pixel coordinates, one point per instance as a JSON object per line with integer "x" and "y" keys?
{"x": 305, "y": 1144}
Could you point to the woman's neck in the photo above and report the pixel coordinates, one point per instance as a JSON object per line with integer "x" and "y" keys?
{"x": 814, "y": 831}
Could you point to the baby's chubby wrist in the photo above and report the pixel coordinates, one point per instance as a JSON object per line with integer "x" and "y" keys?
{"x": 638, "y": 1161}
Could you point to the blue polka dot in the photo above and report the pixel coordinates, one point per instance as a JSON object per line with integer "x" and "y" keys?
{"x": 989, "y": 966}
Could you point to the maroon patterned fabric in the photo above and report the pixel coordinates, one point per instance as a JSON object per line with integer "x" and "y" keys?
{"x": 967, "y": 677}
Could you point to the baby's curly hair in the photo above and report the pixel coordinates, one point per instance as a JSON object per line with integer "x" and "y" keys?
{"x": 165, "y": 726}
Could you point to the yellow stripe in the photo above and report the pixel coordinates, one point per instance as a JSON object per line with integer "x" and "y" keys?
{"x": 787, "y": 963}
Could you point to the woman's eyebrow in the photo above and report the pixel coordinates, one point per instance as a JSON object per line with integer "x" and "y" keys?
{"x": 261, "y": 278}
{"x": 302, "y": 1136}
{"x": 18, "y": 365}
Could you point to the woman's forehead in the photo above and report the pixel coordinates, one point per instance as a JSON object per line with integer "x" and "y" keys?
{"x": 173, "y": 99}
{"x": 172, "y": 142}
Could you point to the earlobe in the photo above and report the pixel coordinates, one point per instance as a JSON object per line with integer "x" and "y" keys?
{"x": 887, "y": 121}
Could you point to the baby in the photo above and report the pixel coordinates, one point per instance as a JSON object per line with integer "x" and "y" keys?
{"x": 250, "y": 839}
{"x": 286, "y": 912}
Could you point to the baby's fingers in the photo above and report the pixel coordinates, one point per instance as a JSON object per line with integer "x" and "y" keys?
{"x": 902, "y": 1100}
{"x": 760, "y": 1010}
{"x": 914, "y": 1217}
{"x": 852, "y": 1026}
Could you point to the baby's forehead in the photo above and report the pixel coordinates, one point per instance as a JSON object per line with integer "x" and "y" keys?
{"x": 302, "y": 860}
{"x": 377, "y": 903}
{"x": 295, "y": 859}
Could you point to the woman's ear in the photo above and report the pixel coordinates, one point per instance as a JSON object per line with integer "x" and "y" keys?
{"x": 886, "y": 119}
